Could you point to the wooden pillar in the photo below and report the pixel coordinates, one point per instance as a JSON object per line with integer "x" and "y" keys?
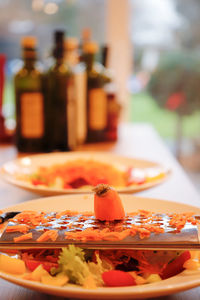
{"x": 118, "y": 38}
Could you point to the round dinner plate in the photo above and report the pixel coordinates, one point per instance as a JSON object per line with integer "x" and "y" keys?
{"x": 181, "y": 282}
{"x": 15, "y": 171}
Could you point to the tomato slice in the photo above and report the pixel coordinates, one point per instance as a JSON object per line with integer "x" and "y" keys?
{"x": 176, "y": 266}
{"x": 38, "y": 182}
{"x": 33, "y": 264}
{"x": 118, "y": 278}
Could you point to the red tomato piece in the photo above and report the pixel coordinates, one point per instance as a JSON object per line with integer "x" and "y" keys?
{"x": 176, "y": 266}
{"x": 67, "y": 186}
{"x": 117, "y": 278}
{"x": 33, "y": 264}
{"x": 37, "y": 182}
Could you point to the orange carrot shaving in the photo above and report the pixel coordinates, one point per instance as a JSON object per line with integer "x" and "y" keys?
{"x": 20, "y": 228}
{"x": 48, "y": 235}
{"x": 23, "y": 237}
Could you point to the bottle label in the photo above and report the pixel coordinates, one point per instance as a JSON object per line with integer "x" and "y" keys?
{"x": 97, "y": 109}
{"x": 32, "y": 115}
{"x": 80, "y": 80}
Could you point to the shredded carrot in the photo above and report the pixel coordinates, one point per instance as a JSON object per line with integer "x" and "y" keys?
{"x": 142, "y": 222}
{"x": 20, "y": 228}
{"x": 32, "y": 218}
{"x": 23, "y": 237}
{"x": 48, "y": 235}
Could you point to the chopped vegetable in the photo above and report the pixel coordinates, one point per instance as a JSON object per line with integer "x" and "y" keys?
{"x": 153, "y": 278}
{"x": 33, "y": 264}
{"x": 20, "y": 228}
{"x": 48, "y": 235}
{"x": 80, "y": 173}
{"x": 72, "y": 262}
{"x": 58, "y": 280}
{"x": 23, "y": 237}
{"x": 12, "y": 265}
{"x": 37, "y": 274}
{"x": 176, "y": 266}
{"x": 97, "y": 268}
{"x": 118, "y": 278}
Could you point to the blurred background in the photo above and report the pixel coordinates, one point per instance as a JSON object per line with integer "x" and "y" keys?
{"x": 154, "y": 54}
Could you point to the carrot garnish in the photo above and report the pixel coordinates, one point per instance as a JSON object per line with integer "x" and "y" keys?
{"x": 48, "y": 235}
{"x": 23, "y": 237}
{"x": 20, "y": 228}
{"x": 107, "y": 204}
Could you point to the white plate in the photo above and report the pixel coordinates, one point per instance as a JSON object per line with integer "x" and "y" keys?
{"x": 181, "y": 282}
{"x": 11, "y": 171}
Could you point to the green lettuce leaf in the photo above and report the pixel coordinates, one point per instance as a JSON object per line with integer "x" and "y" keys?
{"x": 72, "y": 262}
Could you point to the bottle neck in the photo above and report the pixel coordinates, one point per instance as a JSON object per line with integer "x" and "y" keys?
{"x": 59, "y": 60}
{"x": 29, "y": 63}
{"x": 88, "y": 58}
{"x": 71, "y": 57}
{"x": 58, "y": 54}
{"x": 29, "y": 56}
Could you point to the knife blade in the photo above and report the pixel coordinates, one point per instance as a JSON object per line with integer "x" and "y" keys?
{"x": 8, "y": 215}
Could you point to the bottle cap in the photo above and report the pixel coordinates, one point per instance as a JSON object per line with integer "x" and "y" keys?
{"x": 58, "y": 50}
{"x": 59, "y": 36}
{"x": 71, "y": 43}
{"x": 29, "y": 42}
{"x": 90, "y": 47}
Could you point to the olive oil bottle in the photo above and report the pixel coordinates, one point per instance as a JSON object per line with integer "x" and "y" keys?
{"x": 113, "y": 106}
{"x": 96, "y": 96}
{"x": 79, "y": 81}
{"x": 29, "y": 101}
{"x": 58, "y": 92}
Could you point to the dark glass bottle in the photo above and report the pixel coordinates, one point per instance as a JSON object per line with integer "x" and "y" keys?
{"x": 96, "y": 97}
{"x": 30, "y": 129}
{"x": 58, "y": 91}
{"x": 113, "y": 107}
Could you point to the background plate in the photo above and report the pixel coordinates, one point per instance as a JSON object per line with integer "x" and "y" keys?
{"x": 181, "y": 282}
{"x": 12, "y": 170}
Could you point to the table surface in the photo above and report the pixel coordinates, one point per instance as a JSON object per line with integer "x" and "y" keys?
{"x": 135, "y": 140}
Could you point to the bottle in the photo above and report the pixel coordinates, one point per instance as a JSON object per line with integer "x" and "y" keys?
{"x": 58, "y": 96}
{"x": 113, "y": 112}
{"x": 113, "y": 107}
{"x": 79, "y": 85}
{"x": 85, "y": 38}
{"x": 29, "y": 101}
{"x": 96, "y": 96}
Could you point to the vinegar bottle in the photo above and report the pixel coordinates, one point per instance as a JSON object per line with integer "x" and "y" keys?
{"x": 79, "y": 81}
{"x": 29, "y": 101}
{"x": 96, "y": 96}
{"x": 58, "y": 96}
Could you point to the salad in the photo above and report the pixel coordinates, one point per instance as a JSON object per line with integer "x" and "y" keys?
{"x": 97, "y": 268}
{"x": 82, "y": 173}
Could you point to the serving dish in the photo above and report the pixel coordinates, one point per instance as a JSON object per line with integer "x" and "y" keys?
{"x": 19, "y": 171}
{"x": 181, "y": 282}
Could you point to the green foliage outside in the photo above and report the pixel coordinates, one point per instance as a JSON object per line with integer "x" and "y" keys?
{"x": 143, "y": 108}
